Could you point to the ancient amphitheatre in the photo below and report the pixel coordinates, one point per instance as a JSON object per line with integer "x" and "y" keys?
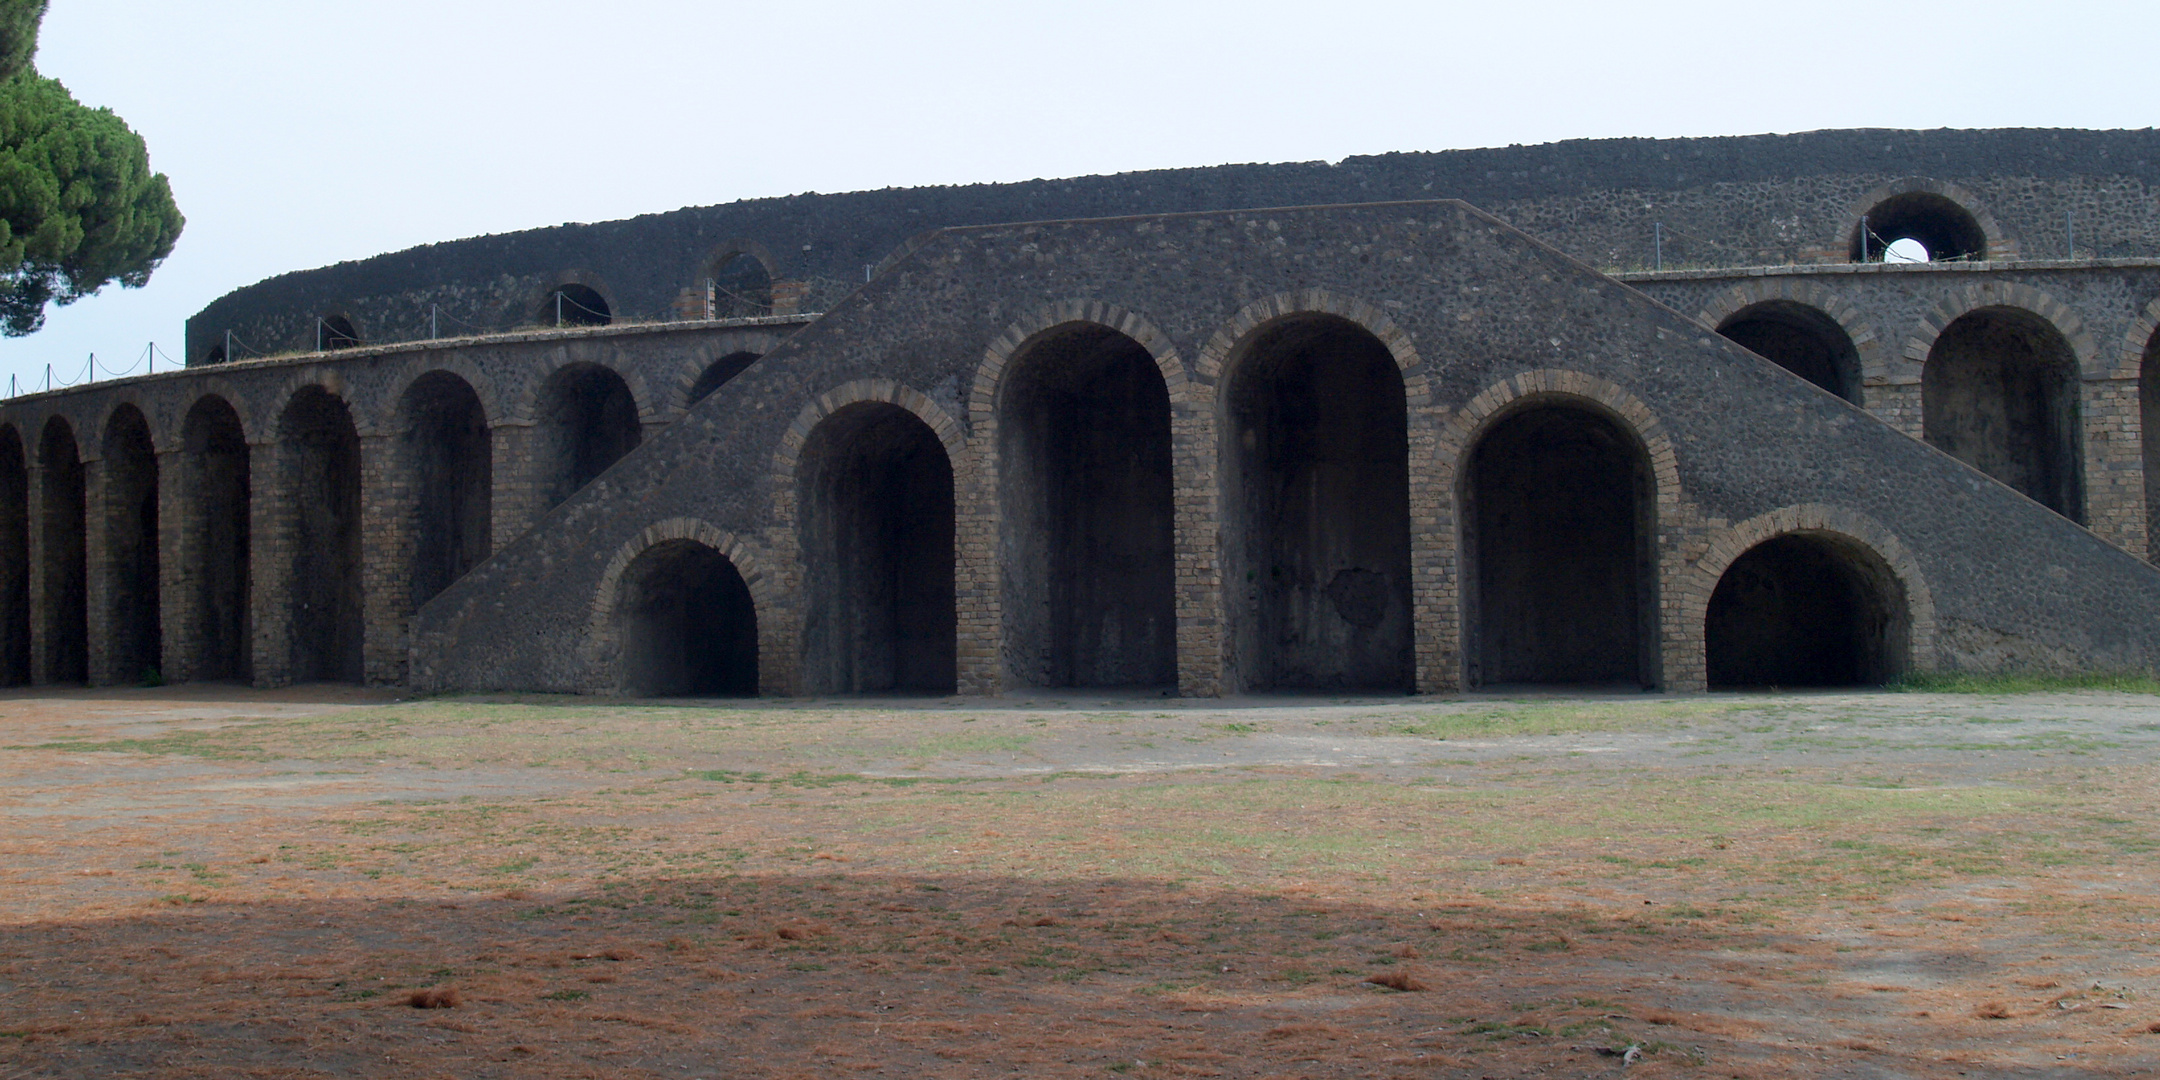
{"x": 1425, "y": 465}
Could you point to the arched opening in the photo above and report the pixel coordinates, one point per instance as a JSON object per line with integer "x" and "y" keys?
{"x": 2149, "y": 432}
{"x": 216, "y": 355}
{"x": 1086, "y": 518}
{"x": 1317, "y": 499}
{"x": 1559, "y": 557}
{"x": 574, "y": 305}
{"x": 1807, "y": 609}
{"x": 444, "y": 440}
{"x": 588, "y": 421}
{"x": 321, "y": 452}
{"x": 2000, "y": 393}
{"x": 214, "y": 455}
{"x": 338, "y": 333}
{"x": 875, "y": 491}
{"x": 717, "y": 373}
{"x": 1946, "y": 230}
{"x": 130, "y": 569}
{"x": 14, "y": 560}
{"x": 741, "y": 287}
{"x": 687, "y": 624}
{"x": 1800, "y": 339}
{"x": 61, "y": 528}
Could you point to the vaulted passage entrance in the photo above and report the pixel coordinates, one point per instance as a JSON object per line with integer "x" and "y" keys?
{"x": 444, "y": 442}
{"x": 1802, "y": 340}
{"x": 588, "y": 421}
{"x": 717, "y": 373}
{"x": 131, "y": 548}
{"x": 1557, "y": 541}
{"x": 1086, "y": 516}
{"x": 687, "y": 624}
{"x": 321, "y": 453}
{"x": 214, "y": 455}
{"x": 14, "y": 560}
{"x": 1317, "y": 536}
{"x": 2000, "y": 393}
{"x": 875, "y": 488}
{"x": 61, "y": 533}
{"x": 1806, "y": 609}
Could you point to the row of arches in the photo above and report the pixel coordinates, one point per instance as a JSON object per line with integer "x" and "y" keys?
{"x": 442, "y": 493}
{"x": 1999, "y": 389}
{"x": 1557, "y": 524}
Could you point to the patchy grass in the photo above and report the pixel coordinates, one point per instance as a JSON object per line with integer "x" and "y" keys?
{"x": 1956, "y": 683}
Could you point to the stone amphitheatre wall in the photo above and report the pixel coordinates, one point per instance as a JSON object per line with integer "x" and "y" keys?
{"x": 1745, "y": 201}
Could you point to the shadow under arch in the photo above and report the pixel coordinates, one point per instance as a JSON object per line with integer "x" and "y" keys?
{"x": 1315, "y": 486}
{"x": 1558, "y": 502}
{"x": 2000, "y": 391}
{"x": 215, "y": 538}
{"x": 445, "y": 451}
{"x": 1801, "y": 339}
{"x": 1807, "y": 608}
{"x": 129, "y": 563}
{"x": 319, "y": 479}
{"x": 587, "y": 419}
{"x": 62, "y": 528}
{"x": 686, "y": 624}
{"x": 14, "y": 559}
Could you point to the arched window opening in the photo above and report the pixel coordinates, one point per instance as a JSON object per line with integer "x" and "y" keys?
{"x": 1806, "y": 609}
{"x": 61, "y": 532}
{"x": 2149, "y": 432}
{"x": 1800, "y": 339}
{"x": 215, "y": 538}
{"x": 1558, "y": 548}
{"x": 1317, "y": 535}
{"x": 741, "y": 287}
{"x": 574, "y": 305}
{"x": 130, "y": 570}
{"x": 321, "y": 458}
{"x": 688, "y": 626}
{"x": 718, "y": 373}
{"x": 1084, "y": 488}
{"x": 445, "y": 443}
{"x": 216, "y": 355}
{"x": 2000, "y": 393}
{"x": 875, "y": 488}
{"x": 14, "y": 560}
{"x": 338, "y": 333}
{"x": 1944, "y": 230}
{"x": 588, "y": 421}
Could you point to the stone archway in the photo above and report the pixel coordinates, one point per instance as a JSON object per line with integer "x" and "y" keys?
{"x": 1807, "y": 608}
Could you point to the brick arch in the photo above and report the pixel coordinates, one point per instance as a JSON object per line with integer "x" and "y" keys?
{"x": 1222, "y": 349}
{"x": 486, "y": 389}
{"x": 761, "y": 342}
{"x": 326, "y": 378}
{"x": 519, "y": 408}
{"x": 251, "y": 426}
{"x": 1460, "y": 432}
{"x": 1866, "y": 342}
{"x": 788, "y": 455}
{"x": 719, "y": 253}
{"x": 2092, "y": 364}
{"x": 531, "y": 302}
{"x": 159, "y": 440}
{"x": 990, "y": 374}
{"x": 1689, "y": 599}
{"x": 2000, "y": 244}
{"x": 2143, "y": 333}
{"x": 767, "y": 597}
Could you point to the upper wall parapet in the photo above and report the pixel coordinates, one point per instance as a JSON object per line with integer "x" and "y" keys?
{"x": 1618, "y": 204}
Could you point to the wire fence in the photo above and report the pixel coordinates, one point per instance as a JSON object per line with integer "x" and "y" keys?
{"x": 145, "y": 363}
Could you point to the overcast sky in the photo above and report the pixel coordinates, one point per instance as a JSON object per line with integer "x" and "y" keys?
{"x": 303, "y": 132}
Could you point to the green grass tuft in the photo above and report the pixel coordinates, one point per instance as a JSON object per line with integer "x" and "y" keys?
{"x": 2024, "y": 683}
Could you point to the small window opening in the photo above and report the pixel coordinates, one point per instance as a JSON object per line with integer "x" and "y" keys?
{"x": 574, "y": 305}
{"x": 336, "y": 332}
{"x": 1918, "y": 226}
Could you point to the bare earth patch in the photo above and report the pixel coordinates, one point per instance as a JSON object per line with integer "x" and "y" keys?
{"x": 327, "y": 881}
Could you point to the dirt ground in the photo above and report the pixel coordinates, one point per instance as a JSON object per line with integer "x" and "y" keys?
{"x": 215, "y": 881}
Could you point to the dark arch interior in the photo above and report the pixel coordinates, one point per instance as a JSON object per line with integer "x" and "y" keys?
{"x": 1947, "y": 230}
{"x": 688, "y": 625}
{"x": 338, "y": 333}
{"x": 2000, "y": 393}
{"x": 1319, "y": 523}
{"x": 741, "y": 287}
{"x": 1557, "y": 532}
{"x": 215, "y": 457}
{"x": 14, "y": 560}
{"x": 1087, "y": 522}
{"x": 1801, "y": 340}
{"x": 575, "y": 305}
{"x": 717, "y": 373}
{"x": 1806, "y": 610}
{"x": 588, "y": 421}
{"x": 67, "y": 626}
{"x": 216, "y": 354}
{"x": 131, "y": 547}
{"x": 448, "y": 455}
{"x": 322, "y": 477}
{"x": 2149, "y": 415}
{"x": 875, "y": 489}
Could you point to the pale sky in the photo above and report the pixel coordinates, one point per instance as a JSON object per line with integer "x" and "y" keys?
{"x": 302, "y": 132}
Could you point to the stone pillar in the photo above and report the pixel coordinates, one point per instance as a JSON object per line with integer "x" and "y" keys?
{"x": 1196, "y": 553}
{"x": 2114, "y": 451}
{"x": 788, "y": 296}
{"x": 1896, "y": 402}
{"x": 1435, "y": 561}
{"x": 515, "y": 502}
{"x": 99, "y": 572}
{"x": 179, "y": 587}
{"x": 979, "y": 628}
{"x": 386, "y": 550}
{"x": 270, "y": 564}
